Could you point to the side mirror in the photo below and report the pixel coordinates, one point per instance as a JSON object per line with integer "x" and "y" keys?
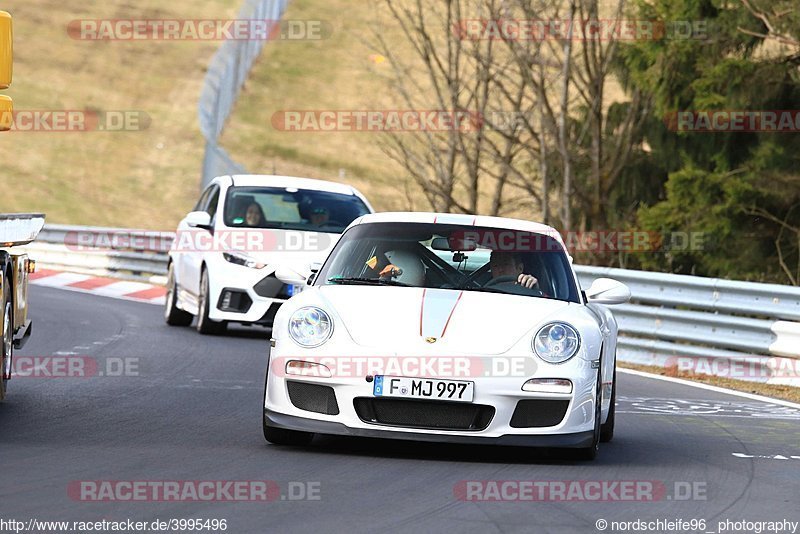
{"x": 314, "y": 268}
{"x": 289, "y": 276}
{"x": 199, "y": 219}
{"x": 608, "y": 291}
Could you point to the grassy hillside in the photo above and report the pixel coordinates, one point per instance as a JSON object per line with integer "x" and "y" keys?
{"x": 150, "y": 178}
{"x": 141, "y": 179}
{"x": 336, "y": 73}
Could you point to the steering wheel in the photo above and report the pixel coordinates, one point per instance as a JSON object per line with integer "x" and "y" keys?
{"x": 509, "y": 284}
{"x": 501, "y": 280}
{"x": 333, "y": 223}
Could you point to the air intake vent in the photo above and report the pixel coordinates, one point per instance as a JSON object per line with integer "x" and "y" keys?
{"x": 313, "y": 397}
{"x": 535, "y": 413}
{"x": 424, "y": 414}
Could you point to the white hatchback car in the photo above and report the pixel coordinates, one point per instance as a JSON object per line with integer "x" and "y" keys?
{"x": 452, "y": 328}
{"x": 223, "y": 261}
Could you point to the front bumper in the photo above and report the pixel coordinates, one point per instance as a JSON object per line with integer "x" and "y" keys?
{"x": 291, "y": 422}
{"x": 503, "y": 394}
{"x": 248, "y": 296}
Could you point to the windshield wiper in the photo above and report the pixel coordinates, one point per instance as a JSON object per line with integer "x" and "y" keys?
{"x": 366, "y": 281}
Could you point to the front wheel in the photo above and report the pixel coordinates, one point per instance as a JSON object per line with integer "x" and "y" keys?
{"x": 590, "y": 453}
{"x": 282, "y": 436}
{"x": 173, "y": 315}
{"x": 8, "y": 338}
{"x": 204, "y": 324}
{"x": 607, "y": 430}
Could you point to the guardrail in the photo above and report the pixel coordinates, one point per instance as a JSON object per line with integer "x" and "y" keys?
{"x": 740, "y": 329}
{"x": 138, "y": 255}
{"x": 227, "y": 73}
{"x": 743, "y": 330}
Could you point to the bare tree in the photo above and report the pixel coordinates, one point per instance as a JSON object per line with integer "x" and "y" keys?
{"x": 543, "y": 143}
{"x": 778, "y": 20}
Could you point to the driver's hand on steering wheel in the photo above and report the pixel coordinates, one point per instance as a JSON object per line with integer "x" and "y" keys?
{"x": 527, "y": 280}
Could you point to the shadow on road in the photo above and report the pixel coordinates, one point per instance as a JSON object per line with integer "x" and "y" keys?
{"x": 610, "y": 453}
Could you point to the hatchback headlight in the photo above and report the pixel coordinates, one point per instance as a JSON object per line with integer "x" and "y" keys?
{"x": 240, "y": 258}
{"x": 310, "y": 327}
{"x": 556, "y": 342}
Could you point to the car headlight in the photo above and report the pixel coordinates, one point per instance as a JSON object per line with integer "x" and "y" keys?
{"x": 310, "y": 327}
{"x": 556, "y": 342}
{"x": 240, "y": 258}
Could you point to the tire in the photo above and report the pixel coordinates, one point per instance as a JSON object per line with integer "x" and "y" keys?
{"x": 589, "y": 453}
{"x": 607, "y": 428}
{"x": 8, "y": 338}
{"x": 205, "y": 325}
{"x": 282, "y": 436}
{"x": 173, "y": 315}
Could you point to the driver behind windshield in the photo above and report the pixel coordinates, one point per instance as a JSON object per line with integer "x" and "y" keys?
{"x": 319, "y": 216}
{"x": 508, "y": 266}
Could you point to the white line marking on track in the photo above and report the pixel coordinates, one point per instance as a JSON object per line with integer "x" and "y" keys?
{"x": 707, "y": 387}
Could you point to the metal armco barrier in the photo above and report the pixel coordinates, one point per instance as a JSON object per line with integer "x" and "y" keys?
{"x": 227, "y": 73}
{"x": 115, "y": 252}
{"x": 707, "y": 325}
{"x": 743, "y": 330}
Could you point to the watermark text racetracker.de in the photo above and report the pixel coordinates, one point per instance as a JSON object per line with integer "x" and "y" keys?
{"x": 73, "y": 366}
{"x": 200, "y": 240}
{"x": 431, "y": 366}
{"x": 760, "y": 368}
{"x": 678, "y": 524}
{"x": 270, "y": 240}
{"x": 579, "y": 491}
{"x": 592, "y": 29}
{"x": 199, "y": 30}
{"x": 726, "y": 120}
{"x": 73, "y": 120}
{"x": 193, "y": 490}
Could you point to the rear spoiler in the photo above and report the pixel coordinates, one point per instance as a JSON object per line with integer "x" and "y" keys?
{"x": 19, "y": 228}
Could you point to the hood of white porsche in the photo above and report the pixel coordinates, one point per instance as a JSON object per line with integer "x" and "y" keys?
{"x": 435, "y": 321}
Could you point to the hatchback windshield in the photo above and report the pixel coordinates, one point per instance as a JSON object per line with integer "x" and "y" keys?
{"x": 453, "y": 257}
{"x": 291, "y": 208}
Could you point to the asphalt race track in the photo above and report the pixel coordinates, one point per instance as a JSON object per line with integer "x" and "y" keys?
{"x": 190, "y": 406}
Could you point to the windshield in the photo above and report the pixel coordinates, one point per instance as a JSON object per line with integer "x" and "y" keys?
{"x": 456, "y": 257}
{"x": 291, "y": 208}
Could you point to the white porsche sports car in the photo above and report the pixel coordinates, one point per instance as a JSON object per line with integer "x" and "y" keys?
{"x": 441, "y": 327}
{"x": 225, "y": 253}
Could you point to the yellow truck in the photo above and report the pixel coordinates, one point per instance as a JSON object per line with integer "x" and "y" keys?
{"x": 15, "y": 230}
{"x": 15, "y": 267}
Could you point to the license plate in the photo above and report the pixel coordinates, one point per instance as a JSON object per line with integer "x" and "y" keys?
{"x": 293, "y": 289}
{"x": 423, "y": 388}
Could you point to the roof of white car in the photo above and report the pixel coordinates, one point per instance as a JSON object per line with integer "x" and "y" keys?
{"x": 268, "y": 180}
{"x": 457, "y": 218}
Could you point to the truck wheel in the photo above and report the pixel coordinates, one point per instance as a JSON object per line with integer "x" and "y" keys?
{"x": 204, "y": 324}
{"x": 8, "y": 338}
{"x": 173, "y": 315}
